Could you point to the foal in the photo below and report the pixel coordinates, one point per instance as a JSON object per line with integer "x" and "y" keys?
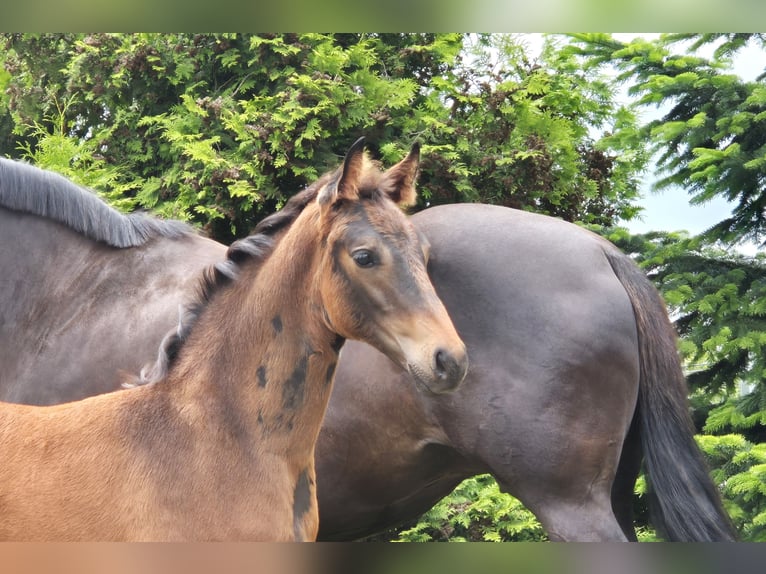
{"x": 220, "y": 444}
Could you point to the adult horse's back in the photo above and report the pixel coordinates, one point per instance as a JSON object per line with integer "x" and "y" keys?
{"x": 568, "y": 343}
{"x": 83, "y": 289}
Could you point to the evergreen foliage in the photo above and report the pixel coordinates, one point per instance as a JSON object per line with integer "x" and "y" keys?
{"x": 221, "y": 129}
{"x": 475, "y": 511}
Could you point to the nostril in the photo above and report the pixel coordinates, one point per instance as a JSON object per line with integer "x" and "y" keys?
{"x": 444, "y": 364}
{"x": 439, "y": 362}
{"x": 448, "y": 371}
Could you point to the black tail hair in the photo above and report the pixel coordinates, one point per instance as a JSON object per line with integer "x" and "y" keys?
{"x": 684, "y": 503}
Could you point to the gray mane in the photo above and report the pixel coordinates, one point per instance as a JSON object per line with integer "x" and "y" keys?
{"x": 29, "y": 189}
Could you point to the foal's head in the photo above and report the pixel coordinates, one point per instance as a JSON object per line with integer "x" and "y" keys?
{"x": 373, "y": 280}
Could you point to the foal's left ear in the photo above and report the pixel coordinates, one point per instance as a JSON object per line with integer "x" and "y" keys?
{"x": 398, "y": 181}
{"x": 346, "y": 186}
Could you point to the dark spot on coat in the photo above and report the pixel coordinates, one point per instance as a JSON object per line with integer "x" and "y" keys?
{"x": 337, "y": 344}
{"x": 293, "y": 389}
{"x": 330, "y": 372}
{"x": 276, "y": 322}
{"x": 261, "y": 376}
{"x": 301, "y": 503}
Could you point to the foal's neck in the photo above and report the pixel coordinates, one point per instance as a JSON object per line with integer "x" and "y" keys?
{"x": 262, "y": 347}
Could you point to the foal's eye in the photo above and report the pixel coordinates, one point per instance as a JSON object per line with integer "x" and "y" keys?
{"x": 363, "y": 258}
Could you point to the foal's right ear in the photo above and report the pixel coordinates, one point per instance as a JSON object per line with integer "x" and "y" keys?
{"x": 346, "y": 184}
{"x": 398, "y": 181}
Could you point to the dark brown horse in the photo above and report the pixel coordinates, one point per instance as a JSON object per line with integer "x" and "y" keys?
{"x": 574, "y": 371}
{"x": 217, "y": 442}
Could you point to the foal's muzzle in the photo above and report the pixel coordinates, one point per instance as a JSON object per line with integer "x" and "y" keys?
{"x": 447, "y": 370}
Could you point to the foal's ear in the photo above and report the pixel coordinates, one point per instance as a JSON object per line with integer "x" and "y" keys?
{"x": 398, "y": 181}
{"x": 346, "y": 186}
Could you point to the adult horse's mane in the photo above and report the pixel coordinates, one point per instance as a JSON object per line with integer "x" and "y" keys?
{"x": 253, "y": 249}
{"x": 28, "y": 189}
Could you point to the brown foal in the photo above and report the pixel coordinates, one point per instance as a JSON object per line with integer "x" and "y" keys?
{"x": 218, "y": 443}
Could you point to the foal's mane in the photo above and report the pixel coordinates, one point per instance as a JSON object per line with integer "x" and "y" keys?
{"x": 252, "y": 250}
{"x": 32, "y": 190}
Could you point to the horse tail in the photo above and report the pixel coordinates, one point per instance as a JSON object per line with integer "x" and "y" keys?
{"x": 684, "y": 503}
